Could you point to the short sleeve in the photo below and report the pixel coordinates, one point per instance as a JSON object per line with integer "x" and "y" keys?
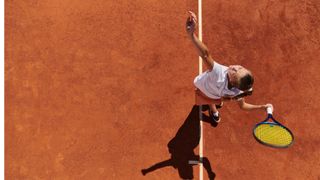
{"x": 218, "y": 68}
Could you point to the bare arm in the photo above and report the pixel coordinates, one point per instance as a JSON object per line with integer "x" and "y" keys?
{"x": 201, "y": 47}
{"x": 248, "y": 107}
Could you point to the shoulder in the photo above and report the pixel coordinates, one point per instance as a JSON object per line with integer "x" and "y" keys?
{"x": 219, "y": 71}
{"x": 218, "y": 67}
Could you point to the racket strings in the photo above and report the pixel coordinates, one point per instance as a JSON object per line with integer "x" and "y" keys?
{"x": 273, "y": 134}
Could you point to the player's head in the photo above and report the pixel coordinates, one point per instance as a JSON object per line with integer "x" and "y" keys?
{"x": 240, "y": 77}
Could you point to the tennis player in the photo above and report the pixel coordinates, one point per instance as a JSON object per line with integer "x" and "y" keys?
{"x": 220, "y": 83}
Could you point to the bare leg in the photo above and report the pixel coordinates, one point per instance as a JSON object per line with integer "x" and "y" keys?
{"x": 202, "y": 99}
{"x": 214, "y": 114}
{"x": 213, "y": 108}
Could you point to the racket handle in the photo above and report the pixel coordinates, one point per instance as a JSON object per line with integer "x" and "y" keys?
{"x": 269, "y": 110}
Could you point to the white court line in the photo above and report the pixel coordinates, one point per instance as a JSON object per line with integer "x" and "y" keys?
{"x": 2, "y": 129}
{"x": 200, "y": 112}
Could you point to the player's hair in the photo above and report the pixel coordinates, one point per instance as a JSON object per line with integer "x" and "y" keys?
{"x": 246, "y": 82}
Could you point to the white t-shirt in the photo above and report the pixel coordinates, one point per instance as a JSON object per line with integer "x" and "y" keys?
{"x": 214, "y": 83}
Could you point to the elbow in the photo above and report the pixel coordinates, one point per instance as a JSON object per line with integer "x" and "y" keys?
{"x": 243, "y": 106}
{"x": 205, "y": 54}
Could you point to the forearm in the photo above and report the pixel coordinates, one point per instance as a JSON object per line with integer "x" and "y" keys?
{"x": 201, "y": 47}
{"x": 250, "y": 107}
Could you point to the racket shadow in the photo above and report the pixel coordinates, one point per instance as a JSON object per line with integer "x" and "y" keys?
{"x": 181, "y": 147}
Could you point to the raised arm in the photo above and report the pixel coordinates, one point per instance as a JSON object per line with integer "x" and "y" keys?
{"x": 201, "y": 47}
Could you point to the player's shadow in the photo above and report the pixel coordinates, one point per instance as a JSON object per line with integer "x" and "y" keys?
{"x": 182, "y": 146}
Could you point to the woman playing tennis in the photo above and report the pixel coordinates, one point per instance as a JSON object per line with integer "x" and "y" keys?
{"x": 220, "y": 83}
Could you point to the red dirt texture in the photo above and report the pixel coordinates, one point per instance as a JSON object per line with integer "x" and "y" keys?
{"x": 97, "y": 89}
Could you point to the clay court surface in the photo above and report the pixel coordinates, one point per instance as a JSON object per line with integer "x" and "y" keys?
{"x": 96, "y": 89}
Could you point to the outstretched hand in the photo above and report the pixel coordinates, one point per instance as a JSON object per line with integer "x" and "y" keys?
{"x": 191, "y": 23}
{"x": 267, "y": 106}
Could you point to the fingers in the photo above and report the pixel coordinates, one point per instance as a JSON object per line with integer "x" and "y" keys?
{"x": 191, "y": 22}
{"x": 192, "y": 16}
{"x": 269, "y": 105}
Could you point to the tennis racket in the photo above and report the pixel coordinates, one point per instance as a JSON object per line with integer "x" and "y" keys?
{"x": 272, "y": 133}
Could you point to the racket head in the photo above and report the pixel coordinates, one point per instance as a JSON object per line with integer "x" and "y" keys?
{"x": 273, "y": 134}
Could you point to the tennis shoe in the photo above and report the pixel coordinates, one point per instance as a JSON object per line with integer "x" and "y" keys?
{"x": 216, "y": 119}
{"x": 218, "y": 106}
